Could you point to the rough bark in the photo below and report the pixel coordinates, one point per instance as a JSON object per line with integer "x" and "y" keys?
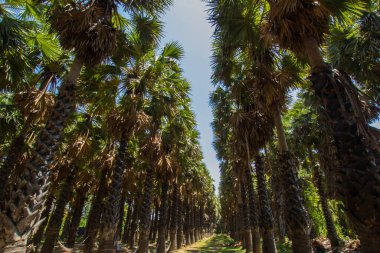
{"x": 127, "y": 222}
{"x": 331, "y": 231}
{"x": 253, "y": 217}
{"x": 187, "y": 223}
{"x": 31, "y": 186}
{"x": 95, "y": 213}
{"x": 111, "y": 210}
{"x": 180, "y": 224}
{"x": 119, "y": 229}
{"x": 14, "y": 155}
{"x": 45, "y": 219}
{"x": 295, "y": 213}
{"x": 266, "y": 217}
{"x": 161, "y": 247}
{"x": 357, "y": 150}
{"x": 191, "y": 221}
{"x": 17, "y": 147}
{"x": 52, "y": 230}
{"x": 296, "y": 216}
{"x": 246, "y": 222}
{"x": 79, "y": 203}
{"x": 155, "y": 223}
{"x": 174, "y": 219}
{"x": 135, "y": 215}
{"x": 145, "y": 212}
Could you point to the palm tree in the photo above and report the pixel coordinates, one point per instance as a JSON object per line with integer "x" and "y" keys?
{"x": 87, "y": 28}
{"x": 302, "y": 29}
{"x": 266, "y": 217}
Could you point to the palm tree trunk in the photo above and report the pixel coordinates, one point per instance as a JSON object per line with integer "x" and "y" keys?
{"x": 52, "y": 230}
{"x": 45, "y": 219}
{"x": 253, "y": 212}
{"x": 162, "y": 223}
{"x": 180, "y": 224}
{"x": 194, "y": 221}
{"x": 135, "y": 215}
{"x": 36, "y": 173}
{"x": 278, "y": 206}
{"x": 331, "y": 231}
{"x": 296, "y": 215}
{"x": 201, "y": 210}
{"x": 145, "y": 212}
{"x": 356, "y": 149}
{"x": 94, "y": 216}
{"x": 17, "y": 147}
{"x": 266, "y": 217}
{"x": 174, "y": 223}
{"x": 119, "y": 229}
{"x": 79, "y": 203}
{"x": 111, "y": 210}
{"x": 187, "y": 223}
{"x": 246, "y": 227}
{"x": 14, "y": 154}
{"x": 66, "y": 224}
{"x": 155, "y": 224}
{"x": 127, "y": 222}
{"x": 191, "y": 220}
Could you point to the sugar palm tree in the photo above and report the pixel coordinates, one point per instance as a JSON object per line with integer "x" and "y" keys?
{"x": 129, "y": 117}
{"x": 302, "y": 29}
{"x": 87, "y": 29}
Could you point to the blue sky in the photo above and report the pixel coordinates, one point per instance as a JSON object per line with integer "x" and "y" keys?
{"x": 186, "y": 22}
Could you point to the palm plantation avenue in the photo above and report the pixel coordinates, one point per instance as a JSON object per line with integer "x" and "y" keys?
{"x": 100, "y": 149}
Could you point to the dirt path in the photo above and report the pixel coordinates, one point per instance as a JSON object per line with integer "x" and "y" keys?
{"x": 217, "y": 243}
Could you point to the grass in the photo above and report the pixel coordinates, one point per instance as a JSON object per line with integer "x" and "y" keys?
{"x": 216, "y": 243}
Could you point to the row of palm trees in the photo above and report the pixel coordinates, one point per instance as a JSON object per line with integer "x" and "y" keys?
{"x": 262, "y": 51}
{"x": 97, "y": 128}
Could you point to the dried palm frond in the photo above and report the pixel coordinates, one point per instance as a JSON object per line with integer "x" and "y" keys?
{"x": 252, "y": 128}
{"x": 290, "y": 21}
{"x": 35, "y": 105}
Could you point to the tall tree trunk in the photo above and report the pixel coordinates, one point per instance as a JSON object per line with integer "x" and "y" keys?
{"x": 278, "y": 205}
{"x": 174, "y": 223}
{"x": 145, "y": 212}
{"x": 191, "y": 220}
{"x": 187, "y": 223}
{"x": 266, "y": 217}
{"x": 356, "y": 148}
{"x": 180, "y": 223}
{"x": 246, "y": 223}
{"x": 296, "y": 215}
{"x": 119, "y": 229}
{"x": 331, "y": 231}
{"x": 45, "y": 219}
{"x": 127, "y": 223}
{"x": 66, "y": 224}
{"x": 111, "y": 210}
{"x": 135, "y": 215}
{"x": 94, "y": 216}
{"x": 155, "y": 224}
{"x": 30, "y": 189}
{"x": 52, "y": 230}
{"x": 254, "y": 223}
{"x": 17, "y": 148}
{"x": 14, "y": 155}
{"x": 194, "y": 220}
{"x": 79, "y": 203}
{"x": 162, "y": 223}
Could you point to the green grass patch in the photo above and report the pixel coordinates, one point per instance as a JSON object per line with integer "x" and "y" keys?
{"x": 217, "y": 243}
